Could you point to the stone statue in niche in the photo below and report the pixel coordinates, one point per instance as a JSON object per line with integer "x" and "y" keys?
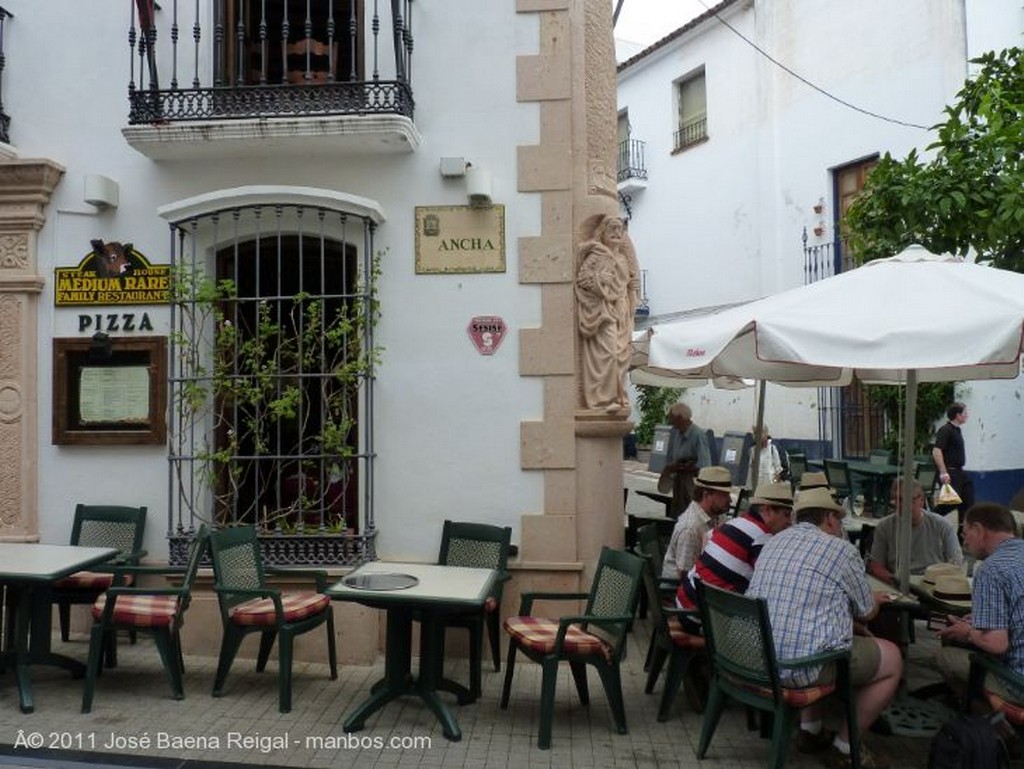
{"x": 607, "y": 291}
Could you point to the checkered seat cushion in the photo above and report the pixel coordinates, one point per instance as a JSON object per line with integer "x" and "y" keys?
{"x": 139, "y": 610}
{"x": 297, "y": 606}
{"x": 1014, "y": 711}
{"x": 91, "y": 580}
{"x": 681, "y": 638}
{"x": 797, "y": 698}
{"x": 538, "y": 634}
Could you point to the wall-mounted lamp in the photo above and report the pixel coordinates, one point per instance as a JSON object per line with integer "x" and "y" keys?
{"x": 101, "y": 348}
{"x": 101, "y": 191}
{"x": 478, "y": 186}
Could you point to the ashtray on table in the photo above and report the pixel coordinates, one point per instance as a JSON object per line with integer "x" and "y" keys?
{"x": 380, "y": 581}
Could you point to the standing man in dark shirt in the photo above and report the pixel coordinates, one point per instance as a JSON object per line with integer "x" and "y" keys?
{"x": 950, "y": 459}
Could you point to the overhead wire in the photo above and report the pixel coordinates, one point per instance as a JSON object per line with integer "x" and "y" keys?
{"x": 804, "y": 80}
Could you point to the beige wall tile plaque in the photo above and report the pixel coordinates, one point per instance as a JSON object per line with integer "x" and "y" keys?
{"x": 460, "y": 239}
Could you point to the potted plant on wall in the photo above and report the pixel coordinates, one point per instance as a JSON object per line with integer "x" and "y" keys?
{"x": 265, "y": 399}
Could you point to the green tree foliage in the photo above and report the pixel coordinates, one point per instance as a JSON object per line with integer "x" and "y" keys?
{"x": 653, "y": 403}
{"x": 932, "y": 400}
{"x": 970, "y": 194}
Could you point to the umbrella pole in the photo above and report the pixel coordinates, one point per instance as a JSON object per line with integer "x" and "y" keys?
{"x": 755, "y": 462}
{"x": 907, "y": 487}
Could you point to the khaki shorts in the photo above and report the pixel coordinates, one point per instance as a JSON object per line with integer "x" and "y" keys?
{"x": 865, "y": 657}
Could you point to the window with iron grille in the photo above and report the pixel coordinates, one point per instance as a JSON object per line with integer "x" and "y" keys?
{"x": 692, "y": 111}
{"x": 272, "y": 362}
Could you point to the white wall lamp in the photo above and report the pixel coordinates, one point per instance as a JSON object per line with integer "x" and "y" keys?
{"x": 479, "y": 186}
{"x": 101, "y": 191}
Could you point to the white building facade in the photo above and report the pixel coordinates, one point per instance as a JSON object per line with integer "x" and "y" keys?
{"x": 759, "y": 123}
{"x": 214, "y": 134}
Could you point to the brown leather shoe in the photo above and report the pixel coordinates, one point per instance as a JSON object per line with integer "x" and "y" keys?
{"x": 814, "y": 743}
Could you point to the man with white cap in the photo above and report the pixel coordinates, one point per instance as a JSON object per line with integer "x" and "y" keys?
{"x": 815, "y": 585}
{"x": 711, "y": 498}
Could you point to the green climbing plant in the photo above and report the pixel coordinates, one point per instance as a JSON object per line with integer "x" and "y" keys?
{"x": 653, "y": 403}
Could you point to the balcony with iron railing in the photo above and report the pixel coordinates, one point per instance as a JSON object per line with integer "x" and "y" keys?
{"x": 309, "y": 75}
{"x": 690, "y": 133}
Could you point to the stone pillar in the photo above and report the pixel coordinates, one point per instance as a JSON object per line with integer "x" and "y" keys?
{"x": 572, "y": 168}
{"x": 25, "y": 189}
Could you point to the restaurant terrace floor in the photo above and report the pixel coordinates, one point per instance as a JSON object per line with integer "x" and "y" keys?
{"x": 134, "y": 722}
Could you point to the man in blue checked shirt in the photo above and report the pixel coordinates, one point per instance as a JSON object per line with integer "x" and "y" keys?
{"x": 996, "y": 624}
{"x": 814, "y": 582}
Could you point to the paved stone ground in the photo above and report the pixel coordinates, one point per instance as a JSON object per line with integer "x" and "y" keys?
{"x": 132, "y": 703}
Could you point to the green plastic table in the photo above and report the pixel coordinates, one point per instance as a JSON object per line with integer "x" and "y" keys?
{"x": 438, "y": 590}
{"x": 28, "y": 571}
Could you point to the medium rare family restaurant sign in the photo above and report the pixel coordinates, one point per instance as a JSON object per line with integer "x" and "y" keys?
{"x": 112, "y": 273}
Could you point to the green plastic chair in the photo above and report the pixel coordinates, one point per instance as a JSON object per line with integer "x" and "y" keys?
{"x": 158, "y": 611}
{"x": 746, "y": 669}
{"x": 249, "y": 605}
{"x": 669, "y": 641}
{"x": 99, "y": 526}
{"x": 481, "y": 546}
{"x": 596, "y": 637}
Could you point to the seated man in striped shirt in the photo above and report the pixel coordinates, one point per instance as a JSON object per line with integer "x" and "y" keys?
{"x": 727, "y": 560}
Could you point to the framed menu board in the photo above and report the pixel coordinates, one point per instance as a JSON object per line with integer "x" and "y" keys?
{"x": 110, "y": 391}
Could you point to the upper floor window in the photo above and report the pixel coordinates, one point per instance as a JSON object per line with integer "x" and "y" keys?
{"x": 692, "y": 111}
{"x": 291, "y": 41}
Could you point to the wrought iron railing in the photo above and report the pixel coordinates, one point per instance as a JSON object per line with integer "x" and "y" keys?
{"x": 5, "y": 120}
{"x": 847, "y": 418}
{"x": 631, "y": 160}
{"x": 289, "y": 60}
{"x": 693, "y": 132}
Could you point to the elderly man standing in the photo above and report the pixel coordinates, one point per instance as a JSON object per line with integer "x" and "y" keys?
{"x": 815, "y": 585}
{"x": 686, "y": 454}
{"x": 996, "y": 624}
{"x": 711, "y": 498}
{"x": 933, "y": 539}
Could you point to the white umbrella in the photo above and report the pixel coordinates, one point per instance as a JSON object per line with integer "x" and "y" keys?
{"x": 915, "y": 317}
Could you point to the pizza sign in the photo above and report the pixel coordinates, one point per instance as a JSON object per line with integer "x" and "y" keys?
{"x": 487, "y": 331}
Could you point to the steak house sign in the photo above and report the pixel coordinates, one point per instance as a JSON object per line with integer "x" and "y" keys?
{"x": 112, "y": 273}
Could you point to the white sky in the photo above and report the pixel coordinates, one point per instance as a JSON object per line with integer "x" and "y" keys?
{"x": 646, "y": 21}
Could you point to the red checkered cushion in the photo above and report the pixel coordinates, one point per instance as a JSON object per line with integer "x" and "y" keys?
{"x": 797, "y": 698}
{"x": 681, "y": 638}
{"x": 139, "y": 610}
{"x": 297, "y": 606}
{"x": 1014, "y": 711}
{"x": 91, "y": 580}
{"x": 538, "y": 634}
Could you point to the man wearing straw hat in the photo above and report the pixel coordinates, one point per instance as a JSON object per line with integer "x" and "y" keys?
{"x": 728, "y": 558}
{"x": 712, "y": 495}
{"x": 996, "y": 623}
{"x": 815, "y": 585}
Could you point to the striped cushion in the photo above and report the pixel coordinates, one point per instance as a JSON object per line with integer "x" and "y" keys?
{"x": 1014, "y": 711}
{"x": 538, "y": 634}
{"x": 681, "y": 638}
{"x": 797, "y": 698}
{"x": 297, "y": 606}
{"x": 139, "y": 610}
{"x": 90, "y": 580}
